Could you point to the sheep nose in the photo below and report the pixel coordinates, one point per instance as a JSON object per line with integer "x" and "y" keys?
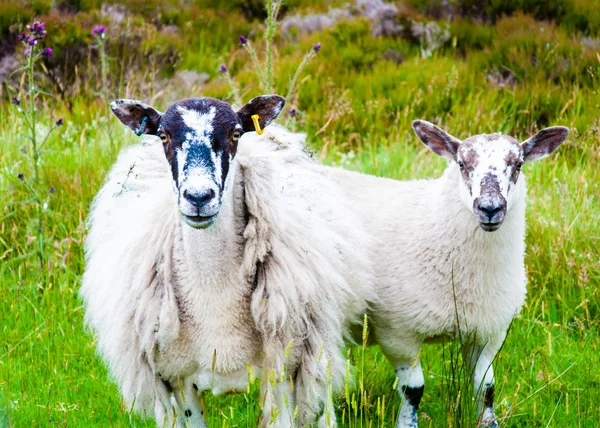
{"x": 199, "y": 199}
{"x": 490, "y": 210}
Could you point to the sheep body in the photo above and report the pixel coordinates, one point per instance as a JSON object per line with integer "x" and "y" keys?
{"x": 284, "y": 266}
{"x": 424, "y": 240}
{"x": 432, "y": 241}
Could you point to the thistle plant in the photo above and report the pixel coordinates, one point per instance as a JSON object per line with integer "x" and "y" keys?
{"x": 99, "y": 34}
{"x": 246, "y": 45}
{"x": 310, "y": 55}
{"x": 31, "y": 40}
{"x": 236, "y": 93}
{"x": 273, "y": 7}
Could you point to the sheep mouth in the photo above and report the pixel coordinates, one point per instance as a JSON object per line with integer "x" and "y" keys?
{"x": 198, "y": 221}
{"x": 490, "y": 227}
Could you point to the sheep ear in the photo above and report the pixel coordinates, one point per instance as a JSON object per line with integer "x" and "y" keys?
{"x": 267, "y": 107}
{"x": 436, "y": 139}
{"x": 140, "y": 117}
{"x": 544, "y": 143}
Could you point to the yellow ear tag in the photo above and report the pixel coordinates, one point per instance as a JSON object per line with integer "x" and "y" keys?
{"x": 256, "y": 124}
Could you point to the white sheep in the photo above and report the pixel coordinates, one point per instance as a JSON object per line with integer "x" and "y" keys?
{"x": 214, "y": 252}
{"x": 440, "y": 271}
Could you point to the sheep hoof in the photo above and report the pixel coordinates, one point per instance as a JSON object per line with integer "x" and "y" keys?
{"x": 410, "y": 422}
{"x": 489, "y": 419}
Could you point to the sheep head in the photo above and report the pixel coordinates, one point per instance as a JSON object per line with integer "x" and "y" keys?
{"x": 490, "y": 166}
{"x": 200, "y": 138}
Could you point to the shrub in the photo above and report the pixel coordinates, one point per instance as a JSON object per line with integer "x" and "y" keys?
{"x": 536, "y": 51}
{"x": 573, "y": 15}
{"x": 470, "y": 36}
{"x": 354, "y": 45}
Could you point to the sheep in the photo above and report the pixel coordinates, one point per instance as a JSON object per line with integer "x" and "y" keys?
{"x": 214, "y": 252}
{"x": 447, "y": 274}
{"x": 444, "y": 266}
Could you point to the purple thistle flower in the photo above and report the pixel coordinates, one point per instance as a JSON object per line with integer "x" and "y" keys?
{"x": 52, "y": 189}
{"x": 27, "y": 52}
{"x": 37, "y": 30}
{"x": 59, "y": 122}
{"x": 293, "y": 112}
{"x": 317, "y": 47}
{"x": 47, "y": 52}
{"x": 243, "y": 40}
{"x": 222, "y": 69}
{"x": 20, "y": 176}
{"x": 16, "y": 101}
{"x": 99, "y": 30}
{"x": 37, "y": 27}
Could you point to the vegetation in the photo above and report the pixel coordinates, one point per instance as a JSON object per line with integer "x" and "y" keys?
{"x": 501, "y": 70}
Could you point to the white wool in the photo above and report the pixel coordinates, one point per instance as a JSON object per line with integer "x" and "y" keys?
{"x": 430, "y": 253}
{"x": 285, "y": 260}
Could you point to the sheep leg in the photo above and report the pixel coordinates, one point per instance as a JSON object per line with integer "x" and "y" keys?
{"x": 479, "y": 361}
{"x": 328, "y": 418}
{"x": 191, "y": 413}
{"x": 278, "y": 403}
{"x": 410, "y": 387}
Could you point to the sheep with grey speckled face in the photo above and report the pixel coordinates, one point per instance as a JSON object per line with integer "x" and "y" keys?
{"x": 450, "y": 257}
{"x": 456, "y": 268}
{"x": 218, "y": 249}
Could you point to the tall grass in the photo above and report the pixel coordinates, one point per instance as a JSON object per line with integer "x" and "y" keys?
{"x": 356, "y": 106}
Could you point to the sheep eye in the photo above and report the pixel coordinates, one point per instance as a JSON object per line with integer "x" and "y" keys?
{"x": 163, "y": 137}
{"x": 461, "y": 165}
{"x": 519, "y": 165}
{"x": 236, "y": 135}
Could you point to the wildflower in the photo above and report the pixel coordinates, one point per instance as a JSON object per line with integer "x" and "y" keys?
{"x": 293, "y": 112}
{"x": 47, "y": 52}
{"x": 27, "y": 52}
{"x": 37, "y": 30}
{"x": 243, "y": 40}
{"x": 222, "y": 69}
{"x": 16, "y": 101}
{"x": 52, "y": 189}
{"x": 99, "y": 30}
{"x": 317, "y": 47}
{"x": 23, "y": 37}
{"x": 59, "y": 122}
{"x": 20, "y": 176}
{"x": 32, "y": 42}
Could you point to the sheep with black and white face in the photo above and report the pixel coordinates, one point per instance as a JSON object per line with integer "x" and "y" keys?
{"x": 216, "y": 251}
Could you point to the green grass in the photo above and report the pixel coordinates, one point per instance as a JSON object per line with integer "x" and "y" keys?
{"x": 357, "y": 111}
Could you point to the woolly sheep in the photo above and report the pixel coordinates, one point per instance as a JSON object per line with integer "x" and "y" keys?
{"x": 213, "y": 252}
{"x": 449, "y": 261}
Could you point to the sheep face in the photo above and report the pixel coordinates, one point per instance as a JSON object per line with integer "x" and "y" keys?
{"x": 200, "y": 137}
{"x": 490, "y": 166}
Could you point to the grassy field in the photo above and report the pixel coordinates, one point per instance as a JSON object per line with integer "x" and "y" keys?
{"x": 513, "y": 74}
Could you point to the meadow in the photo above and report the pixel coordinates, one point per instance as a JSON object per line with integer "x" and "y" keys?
{"x": 510, "y": 67}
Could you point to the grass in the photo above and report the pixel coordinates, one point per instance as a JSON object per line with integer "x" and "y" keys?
{"x": 357, "y": 111}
